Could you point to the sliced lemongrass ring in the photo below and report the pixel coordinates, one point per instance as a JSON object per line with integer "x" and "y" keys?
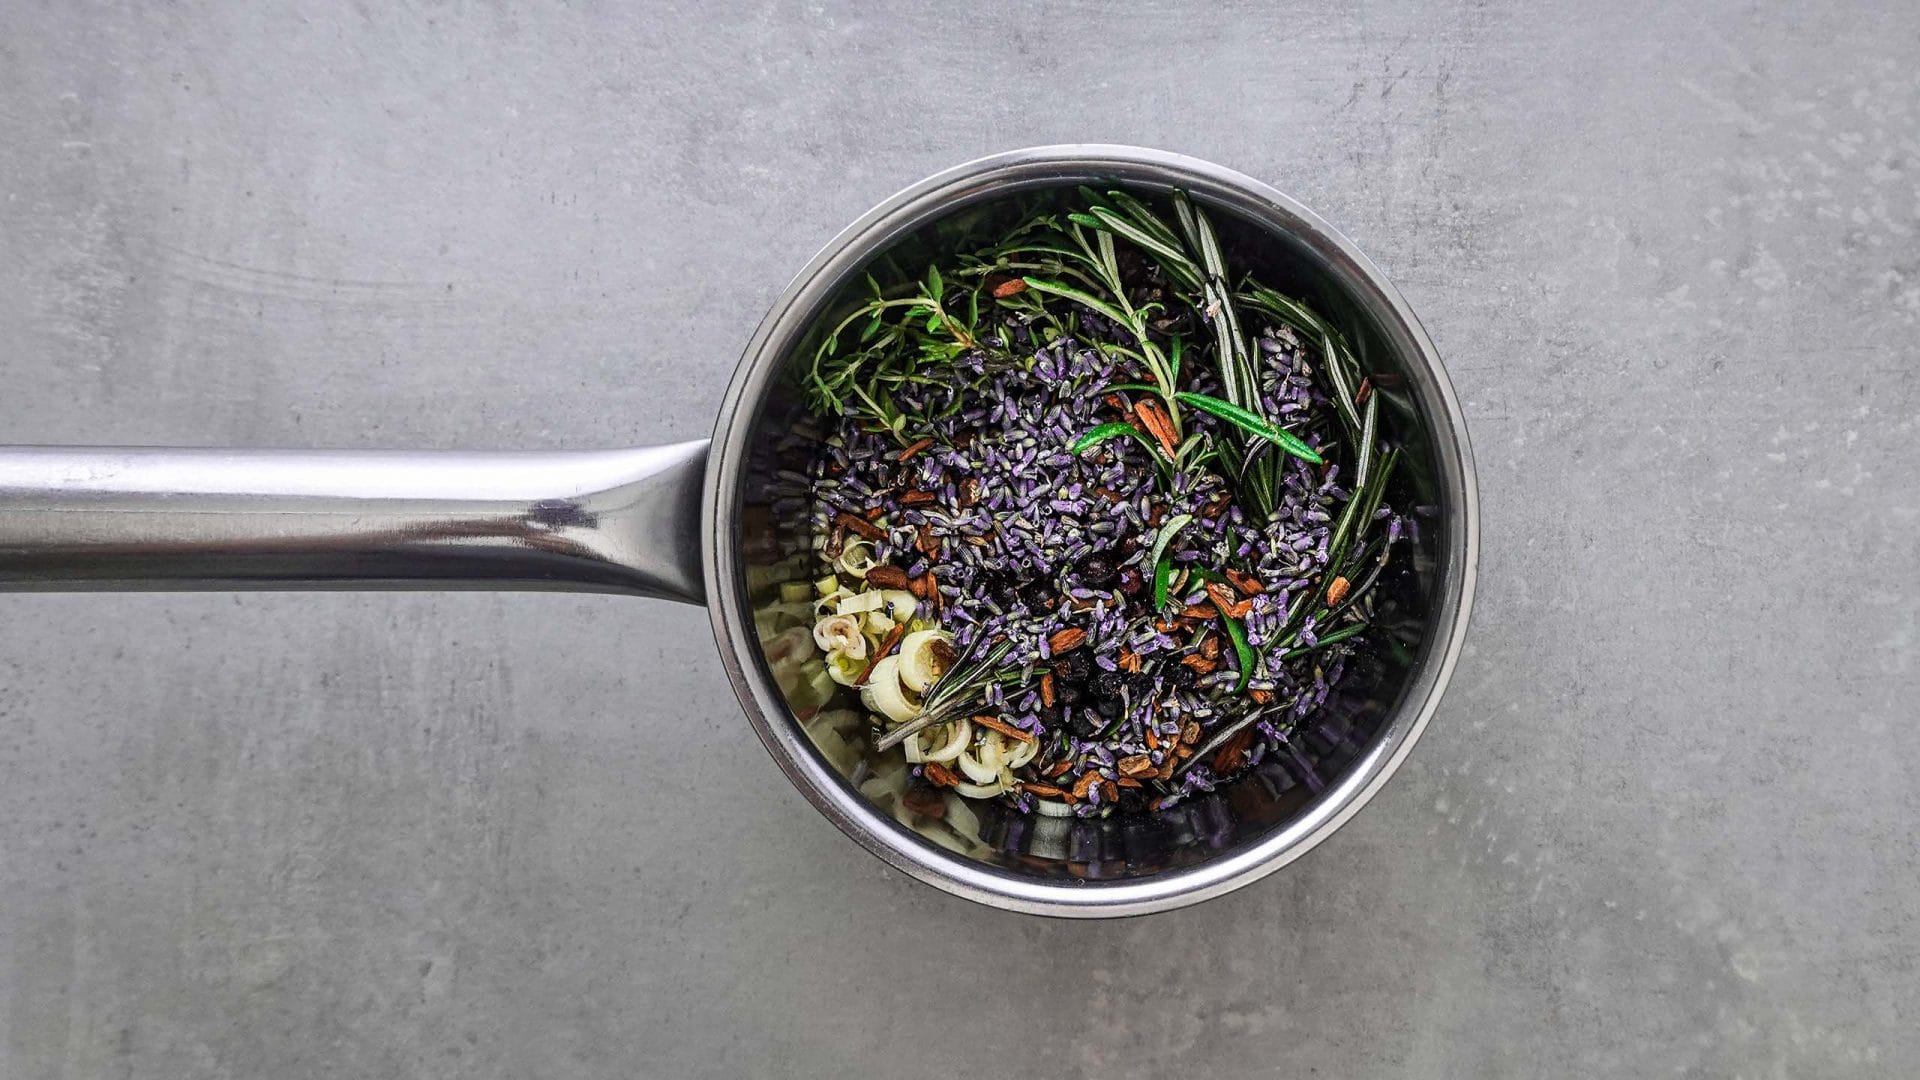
{"x": 959, "y": 734}
{"x": 920, "y": 665}
{"x": 883, "y": 693}
{"x": 979, "y": 791}
{"x": 978, "y": 771}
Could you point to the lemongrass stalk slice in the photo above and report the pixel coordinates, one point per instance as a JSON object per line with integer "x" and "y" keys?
{"x": 978, "y": 771}
{"x": 884, "y": 694}
{"x": 856, "y": 558}
{"x": 840, "y": 634}
{"x": 920, "y": 665}
{"x": 843, "y": 669}
{"x": 979, "y": 791}
{"x": 790, "y": 646}
{"x": 1024, "y": 750}
{"x": 991, "y": 753}
{"x": 961, "y": 818}
{"x": 859, "y": 603}
{"x": 958, "y": 735}
{"x": 900, "y": 604}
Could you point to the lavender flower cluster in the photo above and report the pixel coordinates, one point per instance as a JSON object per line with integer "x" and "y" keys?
{"x": 1025, "y": 538}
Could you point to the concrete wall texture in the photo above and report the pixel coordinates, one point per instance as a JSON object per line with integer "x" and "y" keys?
{"x": 1662, "y": 825}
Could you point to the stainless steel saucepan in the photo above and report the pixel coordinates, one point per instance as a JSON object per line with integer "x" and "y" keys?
{"x": 689, "y": 522}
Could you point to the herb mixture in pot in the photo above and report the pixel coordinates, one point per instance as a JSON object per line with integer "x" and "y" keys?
{"x": 1096, "y": 521}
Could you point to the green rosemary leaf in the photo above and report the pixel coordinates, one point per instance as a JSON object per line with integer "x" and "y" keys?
{"x": 1168, "y": 530}
{"x": 1104, "y": 432}
{"x": 1361, "y": 506}
{"x": 1084, "y": 299}
{"x": 1133, "y": 206}
{"x": 1085, "y": 219}
{"x": 1115, "y": 349}
{"x": 1162, "y": 577}
{"x": 1237, "y": 634}
{"x": 1343, "y": 388}
{"x": 1377, "y": 484}
{"x": 1148, "y": 221}
{"x": 1252, "y": 424}
{"x": 1368, "y": 434}
{"x": 1110, "y": 264}
{"x": 1172, "y": 259}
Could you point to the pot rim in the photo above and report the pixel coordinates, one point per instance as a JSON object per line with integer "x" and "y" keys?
{"x": 787, "y": 321}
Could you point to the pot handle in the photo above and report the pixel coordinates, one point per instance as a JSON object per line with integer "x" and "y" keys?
{"x": 105, "y": 518}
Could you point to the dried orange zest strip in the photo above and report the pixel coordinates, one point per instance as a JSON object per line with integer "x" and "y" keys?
{"x": 1337, "y": 591}
{"x": 861, "y": 526}
{"x": 1244, "y": 581}
{"x": 1087, "y": 780}
{"x": 1158, "y": 424}
{"x": 1044, "y": 790}
{"x": 1003, "y": 727}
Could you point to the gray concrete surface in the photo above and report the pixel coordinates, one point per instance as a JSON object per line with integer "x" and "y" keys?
{"x": 1663, "y": 824}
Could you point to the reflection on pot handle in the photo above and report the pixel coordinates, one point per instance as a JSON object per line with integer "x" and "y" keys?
{"x": 105, "y": 518}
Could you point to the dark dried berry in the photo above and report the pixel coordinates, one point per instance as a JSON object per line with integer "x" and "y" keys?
{"x": 1084, "y": 723}
{"x": 923, "y": 798}
{"x": 1181, "y": 676}
{"x": 1070, "y": 693}
{"x": 1107, "y": 684}
{"x": 1000, "y": 587}
{"x": 1049, "y": 718}
{"x": 1096, "y": 570}
{"x": 1132, "y": 581}
{"x": 1108, "y": 708}
{"x": 1074, "y": 666}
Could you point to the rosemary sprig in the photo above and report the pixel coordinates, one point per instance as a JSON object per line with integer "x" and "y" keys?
{"x": 902, "y": 333}
{"x": 957, "y": 691}
{"x": 1219, "y": 739}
